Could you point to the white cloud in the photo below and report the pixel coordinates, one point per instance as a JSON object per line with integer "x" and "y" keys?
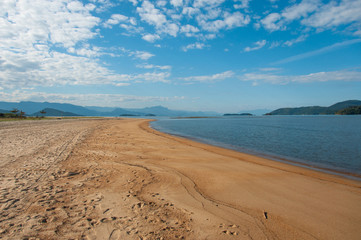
{"x": 143, "y": 55}
{"x": 242, "y": 4}
{"x": 270, "y": 22}
{"x": 176, "y": 3}
{"x": 201, "y": 15}
{"x": 47, "y": 21}
{"x": 301, "y": 38}
{"x": 151, "y": 66}
{"x": 90, "y": 7}
{"x": 275, "y": 44}
{"x": 151, "y": 37}
{"x": 190, "y": 11}
{"x": 31, "y": 32}
{"x": 115, "y": 19}
{"x": 170, "y": 28}
{"x": 153, "y": 77}
{"x": 26, "y": 22}
{"x": 318, "y": 51}
{"x": 333, "y": 14}
{"x": 189, "y": 30}
{"x": 151, "y": 15}
{"x": 236, "y": 19}
{"x": 278, "y": 21}
{"x": 210, "y": 78}
{"x": 86, "y": 51}
{"x": 134, "y": 2}
{"x": 309, "y": 78}
{"x": 207, "y": 3}
{"x": 315, "y": 14}
{"x": 39, "y": 69}
{"x": 130, "y": 29}
{"x": 196, "y": 45}
{"x": 258, "y": 45}
{"x": 127, "y": 23}
{"x": 161, "y": 3}
{"x": 269, "y": 69}
{"x": 209, "y": 14}
{"x": 300, "y": 10}
{"x": 45, "y": 43}
{"x": 103, "y": 5}
{"x": 230, "y": 20}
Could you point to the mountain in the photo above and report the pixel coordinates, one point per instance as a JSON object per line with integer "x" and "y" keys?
{"x": 346, "y": 104}
{"x": 353, "y": 110}
{"x": 257, "y": 112}
{"x": 236, "y": 114}
{"x": 55, "y": 113}
{"x": 33, "y": 108}
{"x": 163, "y": 111}
{"x": 316, "y": 110}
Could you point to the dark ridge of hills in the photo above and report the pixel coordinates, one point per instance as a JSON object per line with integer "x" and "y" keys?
{"x": 353, "y": 110}
{"x": 257, "y": 112}
{"x": 316, "y": 110}
{"x": 50, "y": 112}
{"x": 33, "y": 108}
{"x": 237, "y": 114}
{"x": 346, "y": 104}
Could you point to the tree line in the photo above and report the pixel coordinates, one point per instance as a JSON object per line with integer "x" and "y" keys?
{"x": 16, "y": 113}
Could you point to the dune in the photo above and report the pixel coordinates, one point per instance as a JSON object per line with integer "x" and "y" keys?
{"x": 120, "y": 179}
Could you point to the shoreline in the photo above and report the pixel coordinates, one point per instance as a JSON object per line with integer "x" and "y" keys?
{"x": 260, "y": 159}
{"x": 277, "y": 158}
{"x": 121, "y": 179}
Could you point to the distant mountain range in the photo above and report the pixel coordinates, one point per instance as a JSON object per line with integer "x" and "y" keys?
{"x": 65, "y": 109}
{"x": 257, "y": 112}
{"x": 337, "y": 108}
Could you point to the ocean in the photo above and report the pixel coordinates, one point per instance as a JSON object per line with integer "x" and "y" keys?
{"x": 329, "y": 142}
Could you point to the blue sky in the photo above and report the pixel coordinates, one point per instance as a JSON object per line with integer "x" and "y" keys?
{"x": 209, "y": 55}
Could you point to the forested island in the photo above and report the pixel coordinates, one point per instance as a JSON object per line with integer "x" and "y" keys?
{"x": 349, "y": 107}
{"x": 237, "y": 114}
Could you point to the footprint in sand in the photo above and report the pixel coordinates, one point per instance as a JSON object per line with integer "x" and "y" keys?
{"x": 229, "y": 229}
{"x": 115, "y": 234}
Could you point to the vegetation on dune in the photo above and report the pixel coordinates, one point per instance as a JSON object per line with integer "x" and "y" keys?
{"x": 15, "y": 114}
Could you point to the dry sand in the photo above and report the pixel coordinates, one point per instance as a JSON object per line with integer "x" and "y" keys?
{"x": 119, "y": 179}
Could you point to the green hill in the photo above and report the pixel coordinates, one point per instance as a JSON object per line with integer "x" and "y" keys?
{"x": 317, "y": 110}
{"x": 354, "y": 110}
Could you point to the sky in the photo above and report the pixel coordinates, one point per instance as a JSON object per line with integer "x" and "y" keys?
{"x": 199, "y": 55}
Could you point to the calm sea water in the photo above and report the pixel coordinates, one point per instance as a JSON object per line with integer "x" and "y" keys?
{"x": 331, "y": 142}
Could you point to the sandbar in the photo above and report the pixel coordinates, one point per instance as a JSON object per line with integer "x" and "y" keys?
{"x": 117, "y": 178}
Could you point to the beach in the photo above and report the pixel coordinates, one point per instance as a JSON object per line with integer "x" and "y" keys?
{"x": 117, "y": 178}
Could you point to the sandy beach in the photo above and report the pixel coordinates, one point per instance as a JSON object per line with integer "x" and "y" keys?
{"x": 120, "y": 179}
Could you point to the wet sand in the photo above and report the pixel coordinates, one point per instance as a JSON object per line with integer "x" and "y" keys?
{"x": 119, "y": 179}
